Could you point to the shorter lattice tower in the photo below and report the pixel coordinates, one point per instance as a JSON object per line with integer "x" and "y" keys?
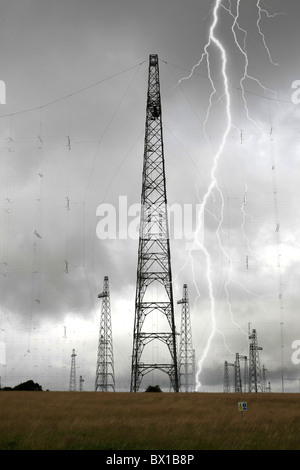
{"x": 246, "y": 373}
{"x": 264, "y": 379}
{"x": 255, "y": 385}
{"x": 105, "y": 375}
{"x": 81, "y": 380}
{"x": 237, "y": 375}
{"x": 186, "y": 365}
{"x": 226, "y": 387}
{"x": 72, "y": 385}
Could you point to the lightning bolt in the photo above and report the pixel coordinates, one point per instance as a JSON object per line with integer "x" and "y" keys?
{"x": 198, "y": 243}
{"x": 243, "y": 50}
{"x": 269, "y": 15}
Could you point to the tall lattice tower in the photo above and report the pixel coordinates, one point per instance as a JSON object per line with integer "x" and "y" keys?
{"x": 254, "y": 364}
{"x": 154, "y": 291}
{"x": 186, "y": 365}
{"x": 72, "y": 385}
{"x": 105, "y": 375}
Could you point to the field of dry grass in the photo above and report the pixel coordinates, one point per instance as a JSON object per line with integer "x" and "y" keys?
{"x": 153, "y": 421}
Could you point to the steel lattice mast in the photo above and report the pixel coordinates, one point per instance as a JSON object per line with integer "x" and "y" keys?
{"x": 226, "y": 385}
{"x": 154, "y": 265}
{"x": 81, "y": 380}
{"x": 72, "y": 384}
{"x": 246, "y": 373}
{"x": 264, "y": 379}
{"x": 105, "y": 376}
{"x": 254, "y": 364}
{"x": 237, "y": 374}
{"x": 186, "y": 364}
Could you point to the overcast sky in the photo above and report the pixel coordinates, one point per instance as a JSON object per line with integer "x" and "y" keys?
{"x": 72, "y": 136}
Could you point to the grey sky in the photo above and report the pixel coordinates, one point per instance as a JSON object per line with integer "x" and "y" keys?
{"x": 49, "y": 50}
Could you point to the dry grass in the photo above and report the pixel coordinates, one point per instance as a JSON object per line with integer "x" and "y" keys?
{"x": 153, "y": 421}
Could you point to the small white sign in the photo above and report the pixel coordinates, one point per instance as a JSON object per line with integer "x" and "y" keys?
{"x": 242, "y": 406}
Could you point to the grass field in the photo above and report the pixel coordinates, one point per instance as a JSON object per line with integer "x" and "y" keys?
{"x": 153, "y": 421}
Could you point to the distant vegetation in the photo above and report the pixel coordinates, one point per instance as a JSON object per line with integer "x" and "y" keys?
{"x": 153, "y": 388}
{"x": 29, "y": 386}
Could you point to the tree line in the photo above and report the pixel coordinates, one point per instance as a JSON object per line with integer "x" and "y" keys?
{"x": 30, "y": 386}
